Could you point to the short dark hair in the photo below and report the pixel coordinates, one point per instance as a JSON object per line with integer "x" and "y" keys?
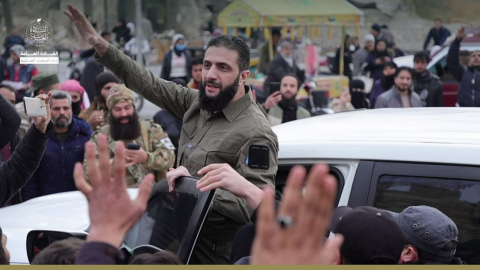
{"x": 438, "y": 19}
{"x": 105, "y": 33}
{"x": 197, "y": 61}
{"x": 276, "y": 32}
{"x": 291, "y": 75}
{"x": 236, "y": 44}
{"x": 421, "y": 56}
{"x": 403, "y": 68}
{"x": 60, "y": 252}
{"x": 8, "y": 87}
{"x": 161, "y": 257}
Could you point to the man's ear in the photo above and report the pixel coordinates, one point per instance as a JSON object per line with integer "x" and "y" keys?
{"x": 243, "y": 77}
{"x": 409, "y": 254}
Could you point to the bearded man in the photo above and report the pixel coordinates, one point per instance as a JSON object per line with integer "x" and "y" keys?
{"x": 65, "y": 147}
{"x": 148, "y": 148}
{"x": 401, "y": 95}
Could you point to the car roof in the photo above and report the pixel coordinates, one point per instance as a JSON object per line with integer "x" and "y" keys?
{"x": 436, "y": 135}
{"x": 407, "y": 60}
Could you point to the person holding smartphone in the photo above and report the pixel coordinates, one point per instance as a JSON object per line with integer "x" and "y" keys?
{"x": 148, "y": 147}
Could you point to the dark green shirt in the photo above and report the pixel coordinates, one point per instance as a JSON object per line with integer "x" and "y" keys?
{"x": 208, "y": 138}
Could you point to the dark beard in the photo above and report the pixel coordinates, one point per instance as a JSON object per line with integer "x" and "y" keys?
{"x": 218, "y": 103}
{"x": 402, "y": 89}
{"x": 289, "y": 107}
{"x": 387, "y": 81}
{"x": 124, "y": 132}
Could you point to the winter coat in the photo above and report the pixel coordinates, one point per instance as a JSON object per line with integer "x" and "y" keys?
{"x": 429, "y": 88}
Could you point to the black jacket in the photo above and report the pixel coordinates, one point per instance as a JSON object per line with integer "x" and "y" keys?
{"x": 16, "y": 171}
{"x": 429, "y": 88}
{"x": 439, "y": 36}
{"x": 167, "y": 65}
{"x": 9, "y": 121}
{"x": 277, "y": 69}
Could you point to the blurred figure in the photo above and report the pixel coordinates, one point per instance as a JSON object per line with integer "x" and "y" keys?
{"x": 438, "y": 33}
{"x": 361, "y": 54}
{"x": 376, "y": 31}
{"x": 62, "y": 252}
{"x": 426, "y": 85}
{"x": 281, "y": 65}
{"x": 161, "y": 258}
{"x": 371, "y": 235}
{"x": 177, "y": 62}
{"x": 469, "y": 88}
{"x": 4, "y": 254}
{"x": 122, "y": 32}
{"x": 265, "y": 52}
{"x": 286, "y": 109}
{"x": 359, "y": 97}
{"x": 12, "y": 39}
{"x": 197, "y": 65}
{"x": 147, "y": 28}
{"x": 96, "y": 114}
{"x": 386, "y": 34}
{"x": 148, "y": 147}
{"x": 343, "y": 103}
{"x": 402, "y": 94}
{"x": 377, "y": 59}
{"x": 8, "y": 94}
{"x": 349, "y": 48}
{"x": 76, "y": 91}
{"x": 465, "y": 57}
{"x": 384, "y": 84}
{"x": 64, "y": 148}
{"x": 431, "y": 236}
{"x": 131, "y": 49}
{"x": 394, "y": 51}
{"x": 17, "y": 72}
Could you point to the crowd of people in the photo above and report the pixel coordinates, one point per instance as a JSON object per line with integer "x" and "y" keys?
{"x": 213, "y": 127}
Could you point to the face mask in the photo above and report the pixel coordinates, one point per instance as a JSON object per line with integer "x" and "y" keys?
{"x": 180, "y": 47}
{"x": 77, "y": 107}
{"x": 352, "y": 48}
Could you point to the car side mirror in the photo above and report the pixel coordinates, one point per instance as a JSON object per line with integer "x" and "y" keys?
{"x": 37, "y": 240}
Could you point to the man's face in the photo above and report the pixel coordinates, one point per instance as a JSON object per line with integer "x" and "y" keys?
{"x": 197, "y": 73}
{"x": 105, "y": 89}
{"x": 5, "y": 250}
{"x": 438, "y": 24}
{"x": 107, "y": 38}
{"x": 475, "y": 59}
{"x": 388, "y": 70}
{"x": 289, "y": 87}
{"x": 14, "y": 32}
{"x": 276, "y": 39}
{"x": 8, "y": 95}
{"x": 286, "y": 51}
{"x": 403, "y": 81}
{"x": 381, "y": 46}
{"x": 370, "y": 45}
{"x": 122, "y": 111}
{"x": 420, "y": 66}
{"x": 61, "y": 113}
{"x": 15, "y": 57}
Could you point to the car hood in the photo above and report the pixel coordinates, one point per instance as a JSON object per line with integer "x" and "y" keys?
{"x": 67, "y": 212}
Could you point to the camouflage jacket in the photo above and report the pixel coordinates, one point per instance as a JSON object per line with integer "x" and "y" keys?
{"x": 158, "y": 146}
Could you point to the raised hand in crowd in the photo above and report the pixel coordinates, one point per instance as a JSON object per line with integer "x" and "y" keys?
{"x": 297, "y": 234}
{"x": 112, "y": 212}
{"x": 96, "y": 118}
{"x": 41, "y": 122}
{"x": 272, "y": 100}
{"x": 461, "y": 33}
{"x": 86, "y": 29}
{"x": 224, "y": 176}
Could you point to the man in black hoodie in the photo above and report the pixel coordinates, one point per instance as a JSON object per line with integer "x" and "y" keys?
{"x": 425, "y": 84}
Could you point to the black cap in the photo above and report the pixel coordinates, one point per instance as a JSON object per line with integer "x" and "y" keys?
{"x": 372, "y": 236}
{"x": 103, "y": 78}
{"x": 376, "y": 27}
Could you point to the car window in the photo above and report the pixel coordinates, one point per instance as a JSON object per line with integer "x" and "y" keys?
{"x": 458, "y": 199}
{"x": 284, "y": 170}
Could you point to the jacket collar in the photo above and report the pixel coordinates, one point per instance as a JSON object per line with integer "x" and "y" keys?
{"x": 234, "y": 109}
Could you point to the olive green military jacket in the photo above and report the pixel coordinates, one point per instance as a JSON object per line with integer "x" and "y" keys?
{"x": 154, "y": 141}
{"x": 232, "y": 136}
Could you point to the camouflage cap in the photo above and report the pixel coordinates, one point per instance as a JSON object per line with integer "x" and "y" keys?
{"x": 43, "y": 80}
{"x": 119, "y": 93}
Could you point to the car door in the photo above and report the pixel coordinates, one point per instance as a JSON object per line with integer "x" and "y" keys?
{"x": 454, "y": 190}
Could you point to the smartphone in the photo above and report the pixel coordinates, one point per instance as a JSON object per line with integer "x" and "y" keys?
{"x": 34, "y": 106}
{"x": 133, "y": 146}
